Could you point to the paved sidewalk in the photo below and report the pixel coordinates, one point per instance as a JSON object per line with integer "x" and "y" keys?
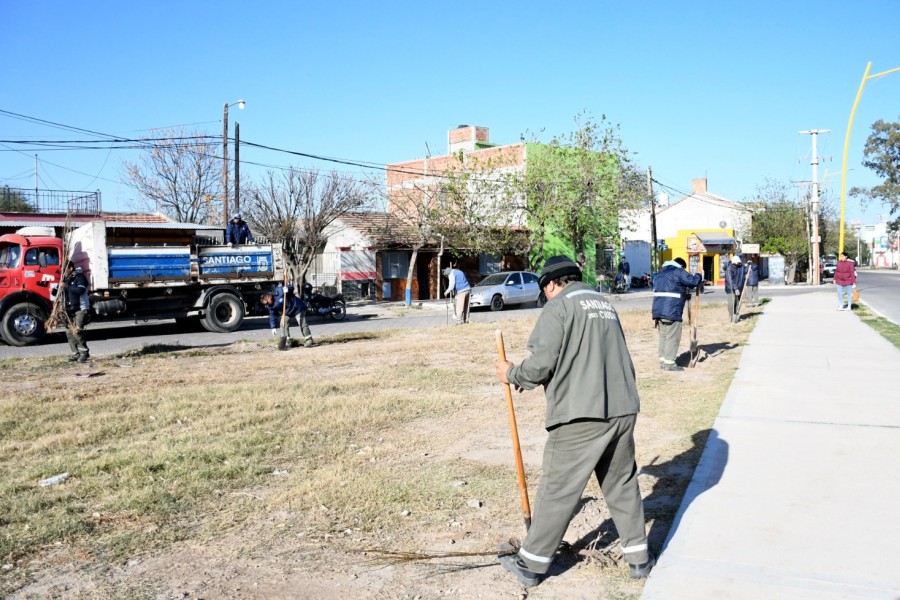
{"x": 796, "y": 495}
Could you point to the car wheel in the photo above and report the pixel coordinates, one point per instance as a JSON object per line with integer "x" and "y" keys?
{"x": 497, "y": 302}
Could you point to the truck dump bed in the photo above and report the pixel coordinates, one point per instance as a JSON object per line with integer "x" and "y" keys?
{"x": 149, "y": 266}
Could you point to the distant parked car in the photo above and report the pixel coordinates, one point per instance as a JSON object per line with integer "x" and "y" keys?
{"x": 828, "y": 268}
{"x": 501, "y": 289}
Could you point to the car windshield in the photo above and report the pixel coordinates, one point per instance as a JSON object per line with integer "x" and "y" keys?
{"x": 495, "y": 279}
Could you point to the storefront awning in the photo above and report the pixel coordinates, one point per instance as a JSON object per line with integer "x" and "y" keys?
{"x": 715, "y": 239}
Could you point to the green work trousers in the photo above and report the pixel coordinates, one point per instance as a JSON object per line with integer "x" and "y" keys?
{"x": 74, "y": 332}
{"x": 573, "y": 452}
{"x": 669, "y": 340}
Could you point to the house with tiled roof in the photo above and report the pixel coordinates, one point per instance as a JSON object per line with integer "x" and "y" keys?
{"x": 362, "y": 258}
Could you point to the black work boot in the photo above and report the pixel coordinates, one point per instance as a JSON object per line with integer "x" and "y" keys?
{"x": 642, "y": 570}
{"x": 73, "y": 357}
{"x": 515, "y": 565}
{"x": 84, "y": 357}
{"x": 308, "y": 343}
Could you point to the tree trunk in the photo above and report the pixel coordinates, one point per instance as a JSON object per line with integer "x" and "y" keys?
{"x": 409, "y": 275}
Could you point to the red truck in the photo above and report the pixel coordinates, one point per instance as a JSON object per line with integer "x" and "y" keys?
{"x": 212, "y": 284}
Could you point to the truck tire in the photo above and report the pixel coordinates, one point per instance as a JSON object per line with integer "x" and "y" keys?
{"x": 23, "y": 324}
{"x": 224, "y": 313}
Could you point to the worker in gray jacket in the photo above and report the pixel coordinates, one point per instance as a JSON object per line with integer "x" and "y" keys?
{"x": 579, "y": 355}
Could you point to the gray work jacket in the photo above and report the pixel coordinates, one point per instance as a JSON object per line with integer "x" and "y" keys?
{"x": 578, "y": 353}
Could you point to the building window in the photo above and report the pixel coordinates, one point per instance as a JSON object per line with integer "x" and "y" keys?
{"x": 488, "y": 264}
{"x": 394, "y": 265}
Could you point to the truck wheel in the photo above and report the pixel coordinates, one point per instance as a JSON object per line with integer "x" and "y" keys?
{"x": 224, "y": 313}
{"x": 497, "y": 302}
{"x": 23, "y": 324}
{"x": 339, "y": 311}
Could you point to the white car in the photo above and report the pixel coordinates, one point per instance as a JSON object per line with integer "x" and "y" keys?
{"x": 500, "y": 289}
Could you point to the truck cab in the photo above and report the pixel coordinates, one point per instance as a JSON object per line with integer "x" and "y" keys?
{"x": 30, "y": 273}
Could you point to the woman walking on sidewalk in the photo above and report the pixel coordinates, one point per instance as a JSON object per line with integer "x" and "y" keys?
{"x": 845, "y": 280}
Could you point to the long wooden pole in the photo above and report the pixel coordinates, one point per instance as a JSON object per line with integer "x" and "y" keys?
{"x": 514, "y": 430}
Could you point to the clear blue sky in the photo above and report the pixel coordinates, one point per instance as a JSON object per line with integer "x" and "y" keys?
{"x": 714, "y": 89}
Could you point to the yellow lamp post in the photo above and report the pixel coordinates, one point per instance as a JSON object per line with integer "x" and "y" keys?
{"x": 862, "y": 84}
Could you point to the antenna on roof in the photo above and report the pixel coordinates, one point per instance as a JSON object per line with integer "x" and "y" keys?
{"x": 427, "y": 150}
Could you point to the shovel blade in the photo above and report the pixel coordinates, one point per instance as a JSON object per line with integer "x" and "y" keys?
{"x": 282, "y": 343}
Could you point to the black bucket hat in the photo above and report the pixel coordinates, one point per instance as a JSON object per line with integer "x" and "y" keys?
{"x": 556, "y": 267}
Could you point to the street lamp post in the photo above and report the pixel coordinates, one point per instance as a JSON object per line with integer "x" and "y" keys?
{"x": 862, "y": 84}
{"x": 240, "y": 104}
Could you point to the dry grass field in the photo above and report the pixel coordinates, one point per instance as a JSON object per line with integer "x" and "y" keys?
{"x": 243, "y": 472}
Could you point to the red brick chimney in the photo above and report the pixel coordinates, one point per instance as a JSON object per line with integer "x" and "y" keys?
{"x": 698, "y": 186}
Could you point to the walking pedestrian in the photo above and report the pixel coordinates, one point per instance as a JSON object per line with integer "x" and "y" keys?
{"x": 845, "y": 280}
{"x": 579, "y": 355}
{"x": 670, "y": 292}
{"x": 78, "y": 309}
{"x": 734, "y": 286}
{"x": 458, "y": 286}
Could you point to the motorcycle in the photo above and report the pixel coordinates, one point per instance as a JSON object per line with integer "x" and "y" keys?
{"x": 641, "y": 282}
{"x": 324, "y": 306}
{"x": 619, "y": 284}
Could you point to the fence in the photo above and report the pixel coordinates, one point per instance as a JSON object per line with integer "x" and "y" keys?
{"x": 49, "y": 201}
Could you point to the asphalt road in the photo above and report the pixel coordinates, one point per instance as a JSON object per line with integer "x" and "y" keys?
{"x": 880, "y": 291}
{"x": 119, "y": 338}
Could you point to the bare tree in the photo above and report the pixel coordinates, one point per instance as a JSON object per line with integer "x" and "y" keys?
{"x": 300, "y": 208}
{"x": 180, "y": 176}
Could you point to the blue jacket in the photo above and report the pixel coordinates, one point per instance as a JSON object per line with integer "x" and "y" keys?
{"x": 76, "y": 291}
{"x": 625, "y": 268}
{"x": 669, "y": 291}
{"x": 754, "y": 275}
{"x": 734, "y": 278}
{"x": 292, "y": 307}
{"x": 238, "y": 233}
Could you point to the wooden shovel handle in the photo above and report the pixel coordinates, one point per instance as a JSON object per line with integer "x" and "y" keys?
{"x": 514, "y": 430}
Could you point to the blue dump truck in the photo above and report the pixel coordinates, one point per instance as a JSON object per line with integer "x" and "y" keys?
{"x": 214, "y": 285}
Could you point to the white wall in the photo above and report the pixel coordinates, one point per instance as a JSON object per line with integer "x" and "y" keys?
{"x": 697, "y": 213}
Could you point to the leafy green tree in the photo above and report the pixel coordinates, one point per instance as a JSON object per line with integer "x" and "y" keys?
{"x": 882, "y": 155}
{"x": 14, "y": 201}
{"x": 780, "y": 223}
{"x": 481, "y": 212}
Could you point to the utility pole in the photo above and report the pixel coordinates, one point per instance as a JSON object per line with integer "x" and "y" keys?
{"x": 814, "y": 200}
{"x": 237, "y": 167}
{"x": 225, "y": 167}
{"x": 654, "y": 256}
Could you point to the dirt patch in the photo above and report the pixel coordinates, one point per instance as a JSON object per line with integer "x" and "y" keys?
{"x": 281, "y": 538}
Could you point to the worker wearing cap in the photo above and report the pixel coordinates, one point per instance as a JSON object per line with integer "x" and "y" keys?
{"x": 238, "y": 232}
{"x": 458, "y": 286}
{"x": 579, "y": 355}
{"x": 734, "y": 286}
